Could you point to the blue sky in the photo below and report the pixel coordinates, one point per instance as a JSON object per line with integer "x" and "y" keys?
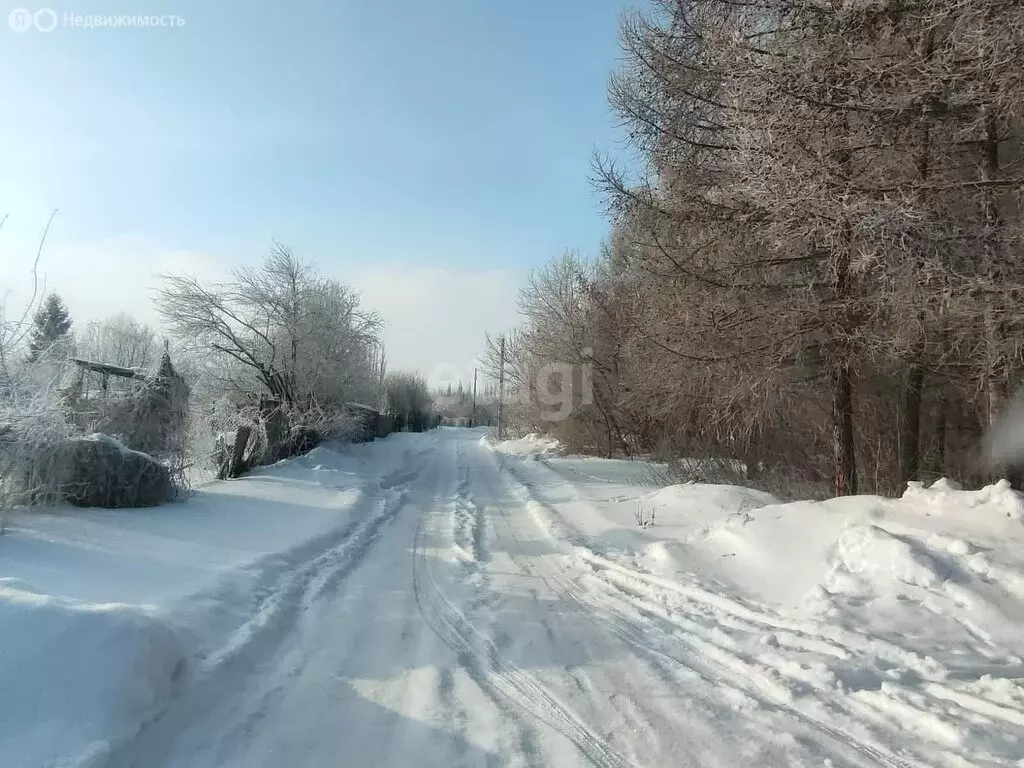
{"x": 400, "y": 145}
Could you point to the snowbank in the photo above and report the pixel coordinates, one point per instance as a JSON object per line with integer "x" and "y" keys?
{"x": 104, "y": 612}
{"x": 75, "y": 678}
{"x": 937, "y": 561}
{"x": 966, "y": 547}
{"x": 529, "y": 445}
{"x": 900, "y": 619}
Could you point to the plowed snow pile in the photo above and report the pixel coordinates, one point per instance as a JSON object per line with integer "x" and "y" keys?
{"x": 529, "y": 445}
{"x": 872, "y": 615}
{"x": 76, "y": 676}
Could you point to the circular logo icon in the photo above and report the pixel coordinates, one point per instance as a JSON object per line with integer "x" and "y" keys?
{"x": 20, "y": 20}
{"x": 45, "y": 19}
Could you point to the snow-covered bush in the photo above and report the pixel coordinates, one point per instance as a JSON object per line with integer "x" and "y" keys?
{"x": 98, "y": 471}
{"x": 46, "y": 456}
{"x": 407, "y": 398}
{"x": 33, "y": 425}
{"x": 47, "y": 407}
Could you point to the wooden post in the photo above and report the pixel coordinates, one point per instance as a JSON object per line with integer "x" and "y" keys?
{"x": 501, "y": 391}
{"x": 472, "y": 418}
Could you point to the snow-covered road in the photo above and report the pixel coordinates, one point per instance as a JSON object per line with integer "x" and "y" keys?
{"x": 446, "y": 629}
{"x": 460, "y": 618}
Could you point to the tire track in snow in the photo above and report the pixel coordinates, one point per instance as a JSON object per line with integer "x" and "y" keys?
{"x": 578, "y": 674}
{"x": 663, "y": 668}
{"x": 307, "y": 573}
{"x": 711, "y": 662}
{"x": 733, "y": 613}
{"x": 484, "y": 662}
{"x": 470, "y": 531}
{"x": 457, "y": 715}
{"x": 462, "y": 536}
{"x": 298, "y": 588}
{"x": 470, "y": 520}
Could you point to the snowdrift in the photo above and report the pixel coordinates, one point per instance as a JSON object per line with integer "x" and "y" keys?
{"x": 528, "y": 445}
{"x": 862, "y": 612}
{"x": 942, "y": 539}
{"x": 965, "y": 548}
{"x": 75, "y": 677}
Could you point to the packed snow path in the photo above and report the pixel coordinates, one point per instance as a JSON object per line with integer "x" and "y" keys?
{"x": 457, "y": 619}
{"x": 443, "y": 630}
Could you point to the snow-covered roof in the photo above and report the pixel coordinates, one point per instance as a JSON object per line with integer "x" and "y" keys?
{"x": 113, "y": 370}
{"x": 362, "y": 407}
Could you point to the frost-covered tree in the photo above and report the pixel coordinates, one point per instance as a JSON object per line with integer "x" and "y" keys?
{"x": 119, "y": 340}
{"x": 51, "y": 326}
{"x": 408, "y": 400}
{"x": 278, "y": 340}
{"x": 815, "y": 266}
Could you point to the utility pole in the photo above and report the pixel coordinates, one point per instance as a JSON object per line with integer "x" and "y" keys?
{"x": 501, "y": 389}
{"x": 472, "y": 418}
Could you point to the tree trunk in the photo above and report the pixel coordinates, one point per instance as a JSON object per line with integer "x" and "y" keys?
{"x": 996, "y": 390}
{"x": 233, "y": 463}
{"x": 910, "y": 413}
{"x": 994, "y": 371}
{"x": 910, "y": 425}
{"x": 276, "y": 426}
{"x": 842, "y": 433}
{"x": 752, "y": 463}
{"x": 611, "y": 426}
{"x": 940, "y": 437}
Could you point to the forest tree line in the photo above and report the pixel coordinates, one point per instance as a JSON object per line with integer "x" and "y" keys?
{"x": 816, "y": 273}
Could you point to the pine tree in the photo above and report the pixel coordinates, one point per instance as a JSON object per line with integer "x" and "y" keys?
{"x": 52, "y": 323}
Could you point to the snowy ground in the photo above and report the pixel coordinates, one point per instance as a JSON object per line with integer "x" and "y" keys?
{"x": 438, "y": 599}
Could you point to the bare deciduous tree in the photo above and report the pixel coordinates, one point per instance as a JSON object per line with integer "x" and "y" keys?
{"x": 298, "y": 336}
